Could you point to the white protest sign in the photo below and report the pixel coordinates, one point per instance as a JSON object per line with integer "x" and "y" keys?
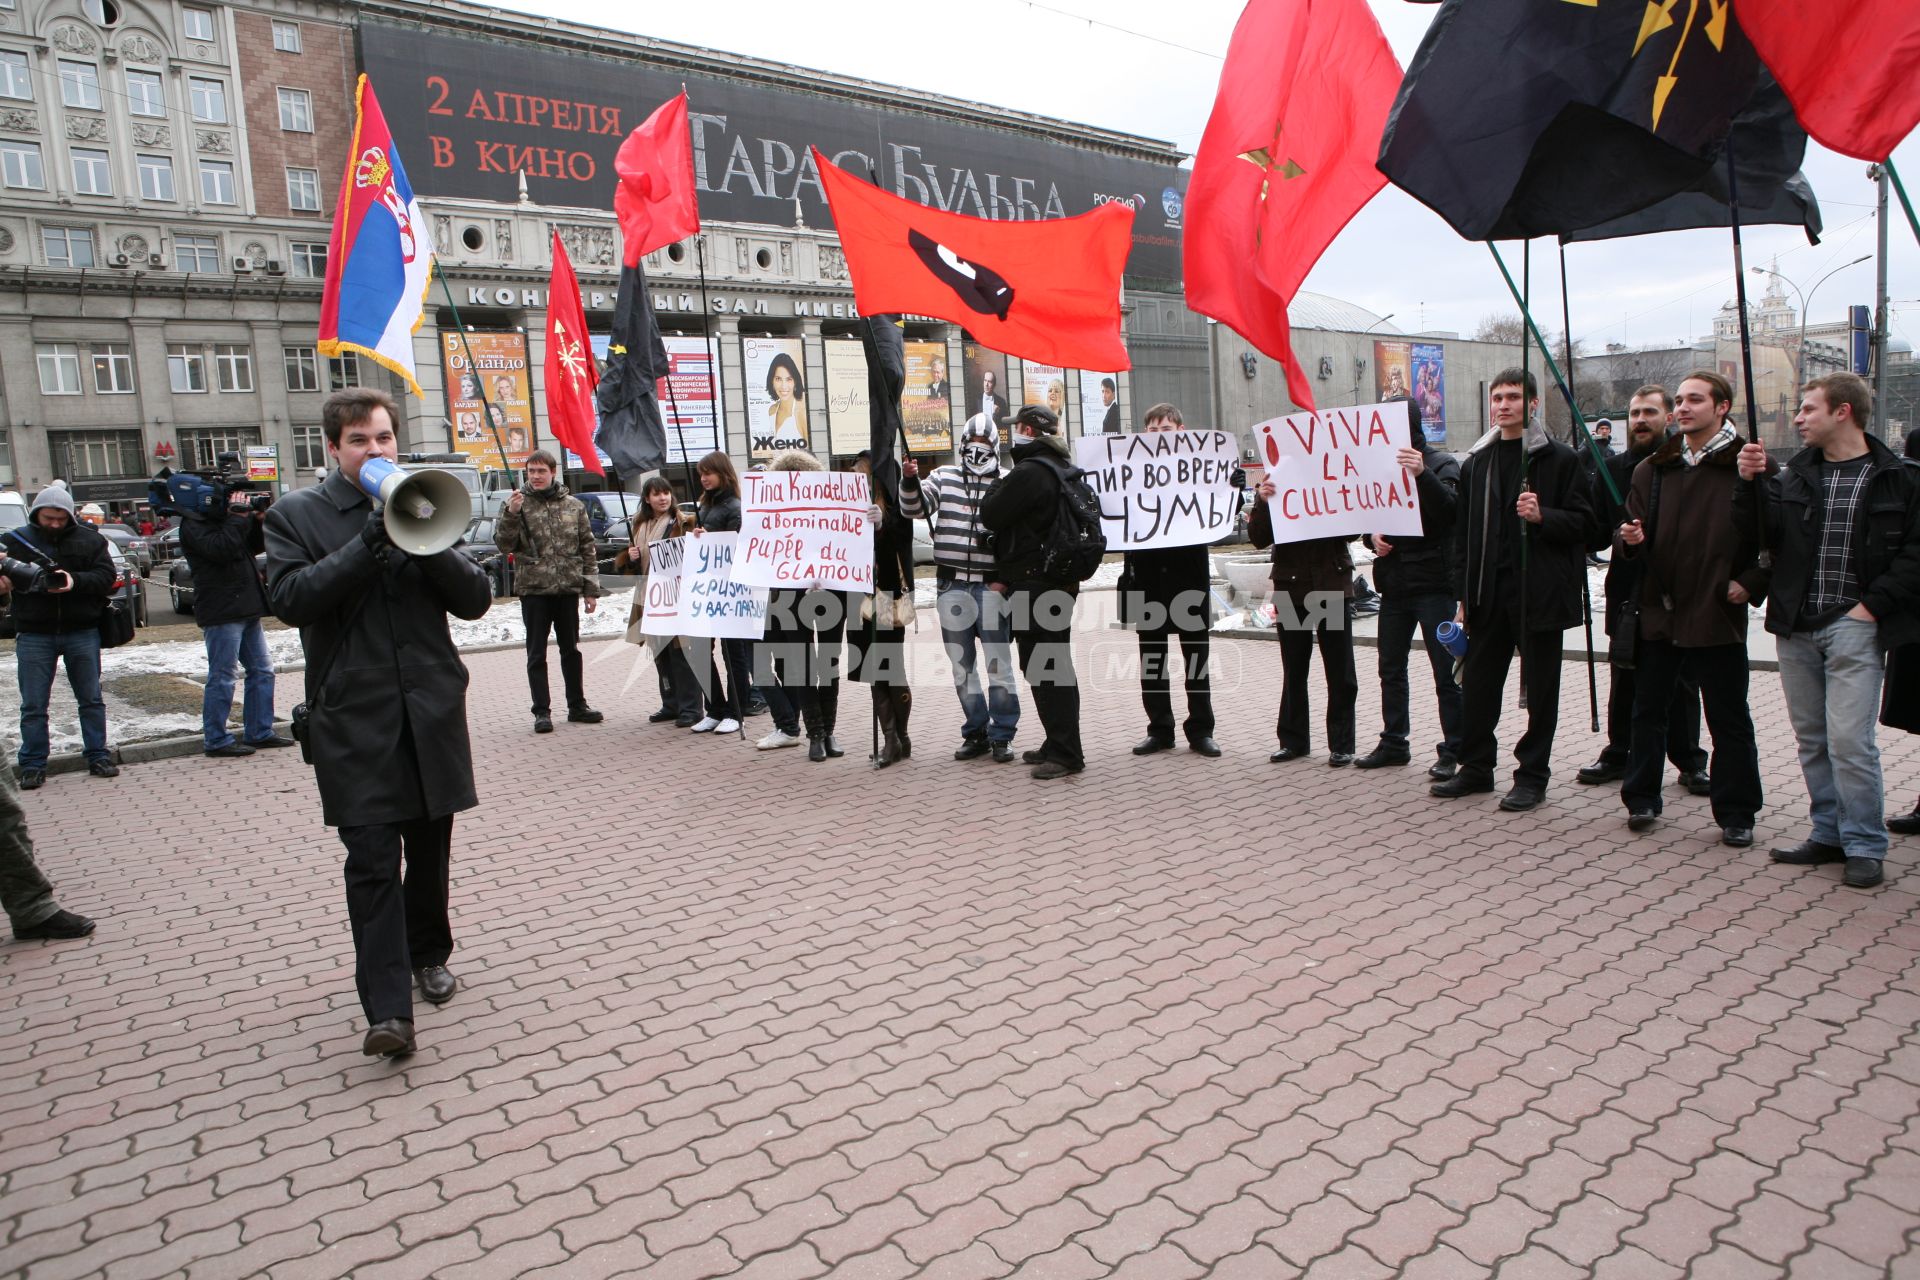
{"x": 803, "y": 529}
{"x": 691, "y": 592}
{"x": 1162, "y": 488}
{"x": 1335, "y": 473}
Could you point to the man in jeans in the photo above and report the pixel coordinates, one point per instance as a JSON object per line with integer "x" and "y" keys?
{"x": 1843, "y": 519}
{"x": 973, "y": 619}
{"x": 1415, "y": 578}
{"x": 57, "y": 619}
{"x": 548, "y": 533}
{"x": 228, "y": 602}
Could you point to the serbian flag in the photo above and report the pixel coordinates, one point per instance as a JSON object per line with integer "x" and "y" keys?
{"x": 1285, "y": 163}
{"x": 655, "y": 200}
{"x": 380, "y": 257}
{"x": 571, "y": 375}
{"x": 1849, "y": 69}
{"x": 1044, "y": 291}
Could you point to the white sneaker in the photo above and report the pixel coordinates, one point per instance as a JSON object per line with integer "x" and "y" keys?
{"x": 707, "y": 725}
{"x": 729, "y": 725}
{"x": 777, "y": 739}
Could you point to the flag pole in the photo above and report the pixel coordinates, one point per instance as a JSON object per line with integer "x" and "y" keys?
{"x": 1900, "y": 190}
{"x": 480, "y": 383}
{"x": 686, "y": 459}
{"x": 1586, "y": 584}
{"x": 1526, "y": 414}
{"x": 1764, "y": 555}
{"x": 713, "y": 349}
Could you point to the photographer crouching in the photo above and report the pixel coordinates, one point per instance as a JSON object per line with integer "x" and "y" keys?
{"x": 386, "y": 710}
{"x": 228, "y": 603}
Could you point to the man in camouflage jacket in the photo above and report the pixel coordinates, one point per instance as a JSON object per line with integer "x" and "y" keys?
{"x": 546, "y": 531}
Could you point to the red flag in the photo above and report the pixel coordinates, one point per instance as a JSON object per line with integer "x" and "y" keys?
{"x": 1045, "y": 291}
{"x": 571, "y": 375}
{"x": 655, "y": 200}
{"x": 1286, "y": 161}
{"x": 1848, "y": 69}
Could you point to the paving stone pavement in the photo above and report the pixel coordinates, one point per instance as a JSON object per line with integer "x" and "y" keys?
{"x": 728, "y": 1013}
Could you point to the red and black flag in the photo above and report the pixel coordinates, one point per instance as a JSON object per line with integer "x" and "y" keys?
{"x": 1851, "y": 67}
{"x": 1046, "y": 291}
{"x": 1520, "y": 118}
{"x": 632, "y": 431}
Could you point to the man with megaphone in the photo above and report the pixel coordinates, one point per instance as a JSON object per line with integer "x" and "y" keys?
{"x": 363, "y": 564}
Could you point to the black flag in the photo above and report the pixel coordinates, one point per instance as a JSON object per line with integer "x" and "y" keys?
{"x": 632, "y": 431}
{"x": 886, "y": 379}
{"x": 1519, "y": 118}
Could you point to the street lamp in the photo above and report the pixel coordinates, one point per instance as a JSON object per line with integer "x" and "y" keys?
{"x": 1806, "y": 305}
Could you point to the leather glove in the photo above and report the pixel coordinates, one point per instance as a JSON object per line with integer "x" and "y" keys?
{"x": 374, "y": 534}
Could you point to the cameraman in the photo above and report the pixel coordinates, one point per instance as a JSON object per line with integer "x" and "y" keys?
{"x": 56, "y": 616}
{"x": 387, "y": 709}
{"x": 228, "y": 603}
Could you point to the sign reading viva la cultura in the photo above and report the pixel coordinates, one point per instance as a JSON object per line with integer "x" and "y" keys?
{"x": 803, "y": 529}
{"x": 1162, "y": 488}
{"x": 1338, "y": 473}
{"x": 691, "y": 591}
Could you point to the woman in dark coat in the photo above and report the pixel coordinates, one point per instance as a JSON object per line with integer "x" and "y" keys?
{"x": 1900, "y": 702}
{"x": 720, "y": 513}
{"x": 880, "y": 646}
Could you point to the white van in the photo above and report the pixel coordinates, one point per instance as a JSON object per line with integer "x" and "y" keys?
{"x": 13, "y": 510}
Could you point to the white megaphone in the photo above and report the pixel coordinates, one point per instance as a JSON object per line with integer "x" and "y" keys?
{"x": 425, "y": 511}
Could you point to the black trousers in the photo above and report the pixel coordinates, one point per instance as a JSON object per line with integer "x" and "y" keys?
{"x": 1683, "y": 721}
{"x": 1156, "y": 694}
{"x": 399, "y": 923}
{"x": 803, "y": 656}
{"x": 1721, "y": 673}
{"x": 1335, "y": 639}
{"x": 679, "y": 691}
{"x": 726, "y": 699}
{"x": 1043, "y": 637}
{"x": 1400, "y": 616}
{"x": 1490, "y": 650}
{"x": 561, "y": 615}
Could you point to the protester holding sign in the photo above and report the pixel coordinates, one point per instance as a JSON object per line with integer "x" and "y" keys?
{"x": 1312, "y": 586}
{"x": 805, "y": 628}
{"x": 1519, "y": 559}
{"x": 1165, "y": 591}
{"x": 659, "y": 520}
{"x": 720, "y": 513}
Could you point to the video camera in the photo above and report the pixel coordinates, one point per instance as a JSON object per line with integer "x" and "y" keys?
{"x": 205, "y": 493}
{"x": 26, "y": 576}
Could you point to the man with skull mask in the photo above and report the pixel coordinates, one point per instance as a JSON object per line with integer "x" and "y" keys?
{"x": 970, "y": 614}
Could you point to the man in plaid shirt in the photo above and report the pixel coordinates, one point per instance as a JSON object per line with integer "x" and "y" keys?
{"x": 1843, "y": 519}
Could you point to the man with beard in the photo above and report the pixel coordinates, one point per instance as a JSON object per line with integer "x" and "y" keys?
{"x": 1649, "y": 415}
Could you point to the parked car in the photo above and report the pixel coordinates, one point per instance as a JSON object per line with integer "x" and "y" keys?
{"x": 180, "y": 581}
{"x": 126, "y": 586}
{"x": 479, "y": 546}
{"x": 165, "y": 545}
{"x": 132, "y": 544}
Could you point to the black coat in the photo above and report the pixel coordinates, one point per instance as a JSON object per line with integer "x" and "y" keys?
{"x": 1556, "y": 552}
{"x": 722, "y": 515}
{"x": 1020, "y": 510}
{"x": 1623, "y": 572}
{"x": 1886, "y": 538}
{"x": 81, "y": 550}
{"x": 1423, "y": 566}
{"x": 389, "y": 726}
{"x": 1160, "y": 576}
{"x": 226, "y": 582}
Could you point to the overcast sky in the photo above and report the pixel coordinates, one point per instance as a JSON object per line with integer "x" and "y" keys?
{"x": 1157, "y": 78}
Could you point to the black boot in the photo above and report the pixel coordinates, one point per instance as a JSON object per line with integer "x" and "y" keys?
{"x": 902, "y": 698}
{"x": 809, "y": 699}
{"x": 830, "y": 717}
{"x": 883, "y": 711}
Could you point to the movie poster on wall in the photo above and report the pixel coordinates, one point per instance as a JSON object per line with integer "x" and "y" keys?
{"x": 1100, "y": 403}
{"x": 1430, "y": 390}
{"x": 925, "y": 401}
{"x": 774, "y": 371}
{"x": 690, "y": 404}
{"x": 499, "y": 369}
{"x": 849, "y": 425}
{"x": 987, "y": 390}
{"x": 1045, "y": 384}
{"x": 1392, "y": 370}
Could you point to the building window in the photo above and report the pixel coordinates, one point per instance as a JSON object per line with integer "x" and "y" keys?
{"x": 103, "y": 12}
{"x": 196, "y": 24}
{"x": 201, "y": 447}
{"x": 209, "y": 100}
{"x": 112, "y": 369}
{"x": 67, "y": 246}
{"x": 286, "y": 37}
{"x": 59, "y": 368}
{"x": 216, "y": 182}
{"x": 196, "y": 253}
{"x": 303, "y": 368}
{"x": 233, "y": 363}
{"x": 309, "y": 449}
{"x": 186, "y": 368}
{"x": 80, "y": 84}
{"x": 97, "y": 455}
{"x": 92, "y": 174}
{"x": 303, "y": 190}
{"x": 296, "y": 111}
{"x": 20, "y": 166}
{"x": 146, "y": 94}
{"x": 343, "y": 371}
{"x": 156, "y": 177}
{"x": 14, "y": 80}
{"x": 309, "y": 259}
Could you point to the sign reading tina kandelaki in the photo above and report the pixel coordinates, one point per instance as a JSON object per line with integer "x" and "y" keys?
{"x": 804, "y": 529}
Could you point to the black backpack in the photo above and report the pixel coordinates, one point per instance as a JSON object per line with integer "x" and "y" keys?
{"x": 1074, "y": 546}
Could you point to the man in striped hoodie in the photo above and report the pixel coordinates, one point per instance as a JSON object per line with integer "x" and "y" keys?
{"x": 970, "y": 614}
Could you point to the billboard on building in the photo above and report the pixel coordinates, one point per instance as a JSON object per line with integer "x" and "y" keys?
{"x": 926, "y": 407}
{"x": 849, "y": 425}
{"x": 689, "y": 402}
{"x": 1392, "y": 370}
{"x": 1045, "y": 384}
{"x": 471, "y": 115}
{"x": 1430, "y": 390}
{"x": 1100, "y": 403}
{"x": 776, "y": 391}
{"x": 499, "y": 365}
{"x": 985, "y": 381}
